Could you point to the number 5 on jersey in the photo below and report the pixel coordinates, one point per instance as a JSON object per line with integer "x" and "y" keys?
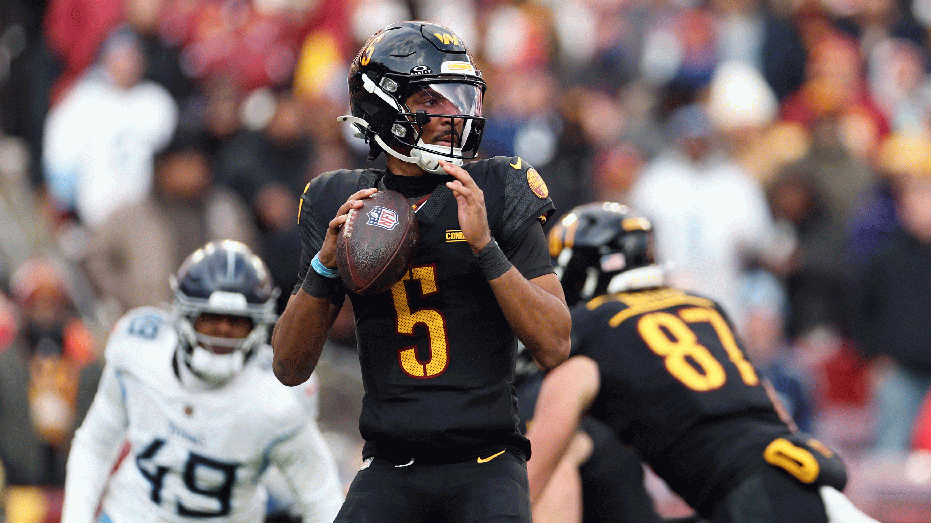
{"x": 432, "y": 319}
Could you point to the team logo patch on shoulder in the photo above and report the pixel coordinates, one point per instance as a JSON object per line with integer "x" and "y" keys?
{"x": 382, "y": 217}
{"x": 536, "y": 183}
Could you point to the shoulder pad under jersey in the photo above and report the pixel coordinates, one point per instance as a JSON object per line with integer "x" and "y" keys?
{"x": 525, "y": 193}
{"x": 141, "y": 332}
{"x": 321, "y": 199}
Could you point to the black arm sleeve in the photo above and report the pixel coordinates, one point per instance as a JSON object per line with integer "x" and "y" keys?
{"x": 312, "y": 222}
{"x": 530, "y": 253}
{"x": 526, "y": 206}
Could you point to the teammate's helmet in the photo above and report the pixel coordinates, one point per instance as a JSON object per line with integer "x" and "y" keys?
{"x": 602, "y": 248}
{"x": 403, "y": 59}
{"x": 222, "y": 277}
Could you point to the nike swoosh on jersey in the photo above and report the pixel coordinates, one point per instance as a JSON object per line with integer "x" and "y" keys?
{"x": 517, "y": 164}
{"x": 489, "y": 458}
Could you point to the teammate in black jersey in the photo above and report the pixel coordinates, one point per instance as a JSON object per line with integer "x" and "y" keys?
{"x": 437, "y": 350}
{"x": 599, "y": 478}
{"x": 663, "y": 369}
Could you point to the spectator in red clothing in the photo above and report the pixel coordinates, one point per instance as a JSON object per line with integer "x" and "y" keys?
{"x": 75, "y": 29}
{"x": 921, "y": 435}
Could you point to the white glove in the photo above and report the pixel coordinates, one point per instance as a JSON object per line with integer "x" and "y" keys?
{"x": 839, "y": 509}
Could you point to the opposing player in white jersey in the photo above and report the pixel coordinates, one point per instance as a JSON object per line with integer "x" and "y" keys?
{"x": 190, "y": 391}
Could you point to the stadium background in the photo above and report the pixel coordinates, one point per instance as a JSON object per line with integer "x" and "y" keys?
{"x": 819, "y": 104}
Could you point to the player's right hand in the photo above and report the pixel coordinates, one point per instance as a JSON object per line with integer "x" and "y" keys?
{"x": 327, "y": 254}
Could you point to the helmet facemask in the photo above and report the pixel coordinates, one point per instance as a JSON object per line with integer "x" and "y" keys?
{"x": 216, "y": 359}
{"x": 455, "y": 110}
{"x": 450, "y": 106}
{"x": 398, "y": 68}
{"x": 213, "y": 368}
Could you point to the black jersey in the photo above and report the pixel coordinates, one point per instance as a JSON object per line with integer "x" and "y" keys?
{"x": 436, "y": 351}
{"x": 612, "y": 477}
{"x": 676, "y": 385}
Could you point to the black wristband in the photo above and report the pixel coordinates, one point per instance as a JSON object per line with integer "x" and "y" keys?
{"x": 320, "y": 286}
{"x": 492, "y": 261}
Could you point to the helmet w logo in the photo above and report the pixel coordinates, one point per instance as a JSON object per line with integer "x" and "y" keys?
{"x": 382, "y": 217}
{"x": 447, "y": 38}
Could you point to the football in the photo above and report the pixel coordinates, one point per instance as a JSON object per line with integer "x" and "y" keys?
{"x": 376, "y": 245}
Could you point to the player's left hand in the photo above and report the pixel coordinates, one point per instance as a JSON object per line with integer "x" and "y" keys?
{"x": 473, "y": 218}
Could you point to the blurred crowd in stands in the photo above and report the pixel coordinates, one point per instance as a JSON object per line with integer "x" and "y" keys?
{"x": 781, "y": 147}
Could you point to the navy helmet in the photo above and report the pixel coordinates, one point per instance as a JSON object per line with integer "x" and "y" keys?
{"x": 222, "y": 278}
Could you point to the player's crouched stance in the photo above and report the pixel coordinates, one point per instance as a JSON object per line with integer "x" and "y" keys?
{"x": 192, "y": 393}
{"x": 663, "y": 369}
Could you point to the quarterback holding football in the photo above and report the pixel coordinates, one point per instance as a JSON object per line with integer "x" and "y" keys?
{"x": 437, "y": 348}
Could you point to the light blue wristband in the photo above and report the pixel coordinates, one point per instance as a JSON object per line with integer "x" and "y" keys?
{"x": 322, "y": 269}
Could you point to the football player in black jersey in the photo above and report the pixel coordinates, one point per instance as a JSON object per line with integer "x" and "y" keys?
{"x": 599, "y": 478}
{"x": 664, "y": 370}
{"x": 437, "y": 350}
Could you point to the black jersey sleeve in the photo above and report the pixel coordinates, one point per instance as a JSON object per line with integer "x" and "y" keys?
{"x": 311, "y": 223}
{"x": 525, "y": 195}
{"x": 318, "y": 205}
{"x": 527, "y": 206}
{"x": 530, "y": 254}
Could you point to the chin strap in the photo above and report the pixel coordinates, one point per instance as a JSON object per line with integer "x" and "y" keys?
{"x": 428, "y": 160}
{"x": 189, "y": 377}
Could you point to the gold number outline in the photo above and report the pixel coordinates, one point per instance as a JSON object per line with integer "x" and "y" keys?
{"x": 795, "y": 460}
{"x": 670, "y": 337}
{"x": 406, "y": 320}
{"x": 699, "y": 314}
